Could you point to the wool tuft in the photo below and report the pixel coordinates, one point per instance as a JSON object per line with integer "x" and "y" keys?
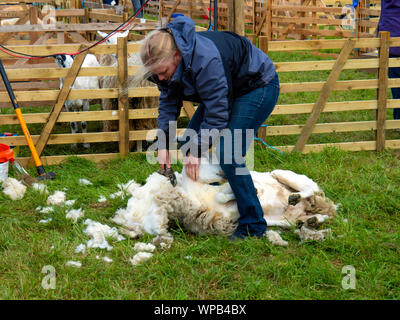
{"x": 75, "y": 214}
{"x": 141, "y": 246}
{"x": 76, "y": 264}
{"x": 140, "y": 257}
{"x": 98, "y": 233}
{"x": 14, "y": 189}
{"x": 57, "y": 198}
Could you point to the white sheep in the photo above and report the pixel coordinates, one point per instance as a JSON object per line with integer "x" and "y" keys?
{"x": 208, "y": 206}
{"x": 66, "y": 61}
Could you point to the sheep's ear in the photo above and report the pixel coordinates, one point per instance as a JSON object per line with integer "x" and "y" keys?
{"x": 125, "y": 33}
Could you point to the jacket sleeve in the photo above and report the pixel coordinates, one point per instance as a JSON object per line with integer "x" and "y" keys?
{"x": 212, "y": 87}
{"x": 168, "y": 110}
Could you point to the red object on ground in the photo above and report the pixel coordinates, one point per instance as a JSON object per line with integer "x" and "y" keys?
{"x": 6, "y": 153}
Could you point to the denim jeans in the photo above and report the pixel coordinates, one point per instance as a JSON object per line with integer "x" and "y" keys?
{"x": 137, "y": 4}
{"x": 395, "y": 73}
{"x": 248, "y": 112}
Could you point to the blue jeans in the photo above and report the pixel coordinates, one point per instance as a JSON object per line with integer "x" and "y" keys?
{"x": 395, "y": 73}
{"x": 248, "y": 112}
{"x": 137, "y": 4}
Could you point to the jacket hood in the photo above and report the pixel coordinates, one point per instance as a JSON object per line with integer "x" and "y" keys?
{"x": 183, "y": 30}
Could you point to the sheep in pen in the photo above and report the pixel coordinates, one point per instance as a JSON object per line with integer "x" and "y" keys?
{"x": 112, "y": 82}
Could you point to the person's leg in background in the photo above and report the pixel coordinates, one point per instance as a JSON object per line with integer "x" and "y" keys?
{"x": 395, "y": 73}
{"x": 137, "y": 4}
{"x": 249, "y": 112}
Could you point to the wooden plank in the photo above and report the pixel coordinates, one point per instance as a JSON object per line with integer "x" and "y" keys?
{"x": 52, "y": 49}
{"x": 123, "y": 105}
{"x": 32, "y": 85}
{"x": 48, "y": 95}
{"x": 382, "y": 89}
{"x": 333, "y": 127}
{"x": 291, "y": 25}
{"x": 106, "y": 17}
{"x": 317, "y": 32}
{"x": 65, "y": 138}
{"x": 106, "y": 26}
{"x": 239, "y": 18}
{"x": 41, "y": 40}
{"x": 22, "y": 21}
{"x": 323, "y": 97}
{"x": 318, "y": 85}
{"x": 62, "y": 97}
{"x": 314, "y": 21}
{"x": 11, "y": 119}
{"x": 152, "y": 113}
{"x": 56, "y": 73}
{"x": 327, "y": 65}
{"x": 54, "y": 160}
{"x": 293, "y": 45}
{"x": 347, "y": 146}
{"x": 263, "y": 43}
{"x": 188, "y": 108}
{"x": 77, "y": 37}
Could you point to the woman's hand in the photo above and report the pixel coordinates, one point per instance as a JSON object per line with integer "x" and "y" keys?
{"x": 163, "y": 158}
{"x": 192, "y": 167}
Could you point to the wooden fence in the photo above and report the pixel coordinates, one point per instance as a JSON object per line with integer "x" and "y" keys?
{"x": 124, "y": 135}
{"x": 280, "y": 19}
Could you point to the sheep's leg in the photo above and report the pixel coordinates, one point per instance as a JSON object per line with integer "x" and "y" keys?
{"x": 73, "y": 125}
{"x": 294, "y": 199}
{"x": 83, "y": 123}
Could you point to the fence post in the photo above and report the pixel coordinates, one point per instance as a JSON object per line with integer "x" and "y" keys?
{"x": 33, "y": 19}
{"x": 263, "y": 43}
{"x": 87, "y": 20}
{"x": 231, "y": 16}
{"x": 253, "y": 16}
{"x": 269, "y": 19}
{"x": 239, "y": 17}
{"x": 252, "y": 38}
{"x": 123, "y": 106}
{"x": 384, "y": 37}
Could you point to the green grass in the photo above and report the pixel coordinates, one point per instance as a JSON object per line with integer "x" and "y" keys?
{"x": 364, "y": 183}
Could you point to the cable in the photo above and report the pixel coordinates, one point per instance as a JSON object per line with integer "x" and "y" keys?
{"x": 121, "y": 27}
{"x": 261, "y": 140}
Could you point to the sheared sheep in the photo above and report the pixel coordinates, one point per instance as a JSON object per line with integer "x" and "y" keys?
{"x": 208, "y": 206}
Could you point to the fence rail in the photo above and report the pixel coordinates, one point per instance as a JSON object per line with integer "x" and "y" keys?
{"x": 278, "y": 19}
{"x": 380, "y": 104}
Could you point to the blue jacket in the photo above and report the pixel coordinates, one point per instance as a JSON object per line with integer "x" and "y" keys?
{"x": 216, "y": 67}
{"x": 390, "y": 21}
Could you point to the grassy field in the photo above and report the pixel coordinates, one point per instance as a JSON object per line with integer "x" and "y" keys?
{"x": 366, "y": 230}
{"x": 366, "y": 237}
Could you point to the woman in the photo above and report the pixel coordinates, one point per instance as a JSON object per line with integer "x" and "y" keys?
{"x": 237, "y": 87}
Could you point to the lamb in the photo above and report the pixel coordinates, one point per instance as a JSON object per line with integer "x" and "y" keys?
{"x": 66, "y": 61}
{"x": 208, "y": 206}
{"x": 111, "y": 82}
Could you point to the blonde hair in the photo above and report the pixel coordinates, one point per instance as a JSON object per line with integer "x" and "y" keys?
{"x": 159, "y": 45}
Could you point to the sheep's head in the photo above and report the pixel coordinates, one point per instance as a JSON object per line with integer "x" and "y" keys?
{"x": 64, "y": 61}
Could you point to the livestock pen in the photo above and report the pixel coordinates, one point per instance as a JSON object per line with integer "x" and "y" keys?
{"x": 379, "y": 103}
